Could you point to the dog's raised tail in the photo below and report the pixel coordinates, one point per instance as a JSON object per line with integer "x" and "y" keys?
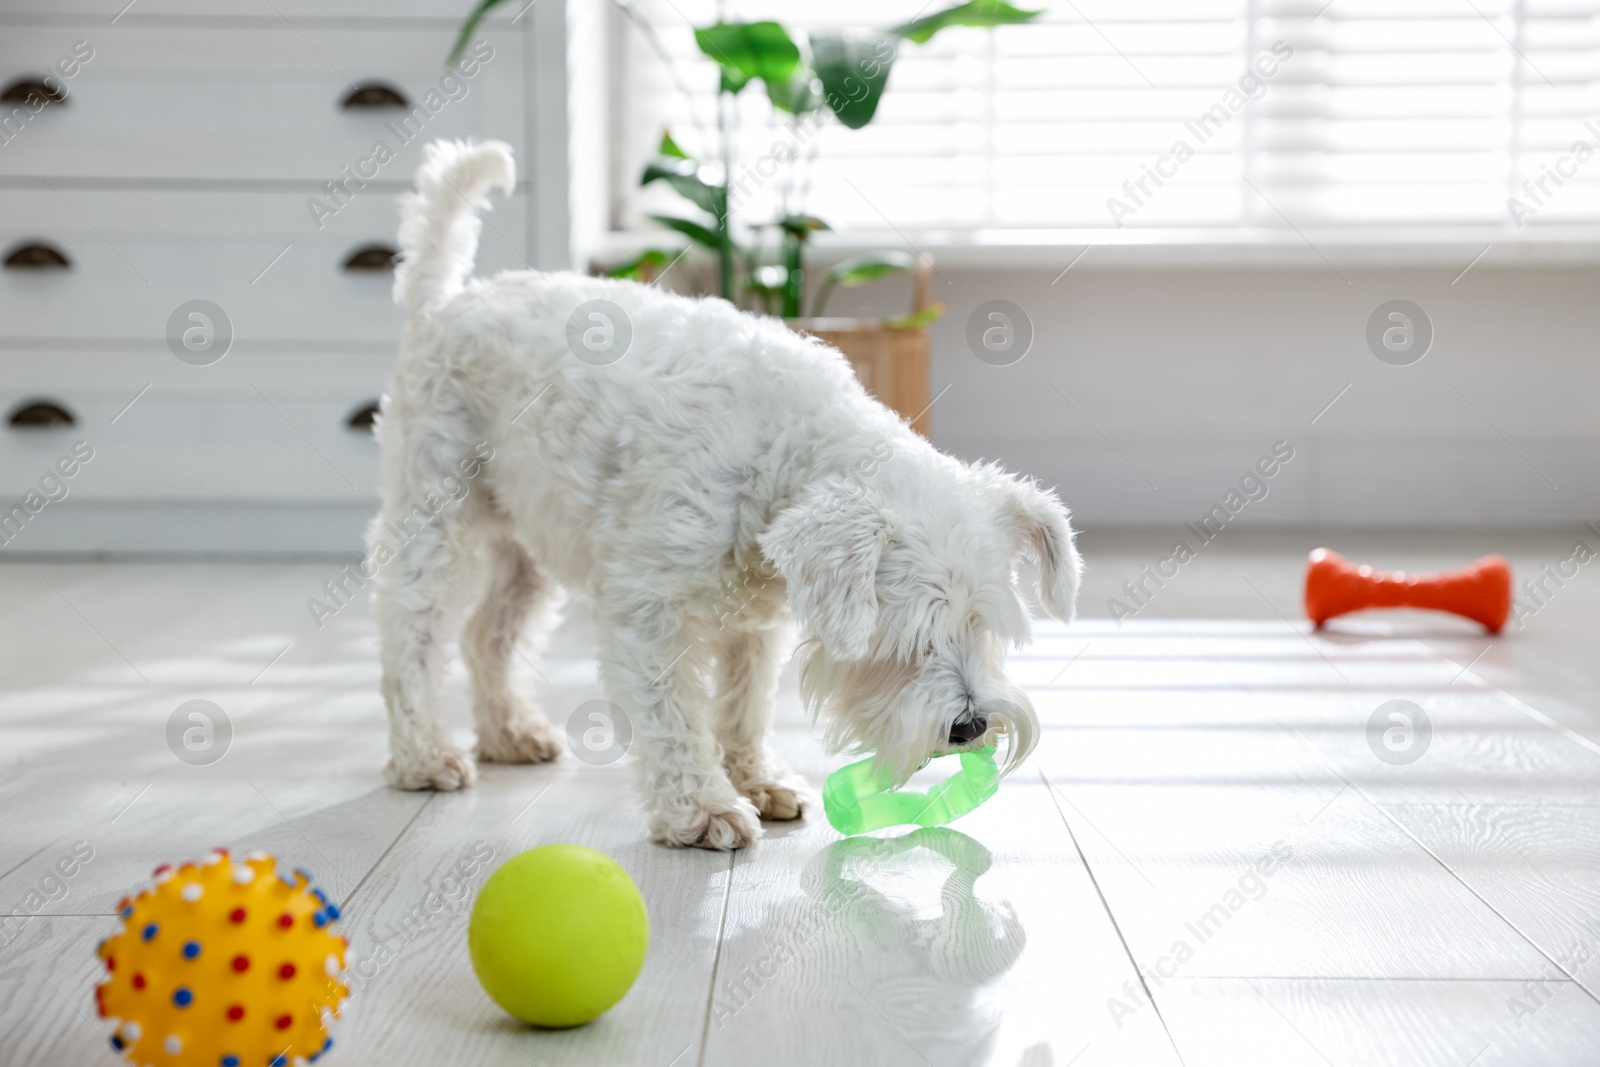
{"x": 439, "y": 224}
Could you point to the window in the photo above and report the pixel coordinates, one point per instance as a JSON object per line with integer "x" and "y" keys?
{"x": 1177, "y": 114}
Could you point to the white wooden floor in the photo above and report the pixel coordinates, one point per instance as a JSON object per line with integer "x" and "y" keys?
{"x": 1445, "y": 911}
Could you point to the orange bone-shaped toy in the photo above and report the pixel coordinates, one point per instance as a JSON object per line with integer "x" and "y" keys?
{"x": 1335, "y": 586}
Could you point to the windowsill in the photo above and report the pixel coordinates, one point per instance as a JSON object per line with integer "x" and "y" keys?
{"x": 1153, "y": 248}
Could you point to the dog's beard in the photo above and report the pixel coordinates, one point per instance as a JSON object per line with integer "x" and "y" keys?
{"x": 902, "y": 714}
{"x": 1013, "y": 719}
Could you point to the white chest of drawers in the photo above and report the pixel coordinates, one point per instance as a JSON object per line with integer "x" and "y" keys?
{"x": 205, "y": 150}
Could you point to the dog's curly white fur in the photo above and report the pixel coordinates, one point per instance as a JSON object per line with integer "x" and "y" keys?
{"x": 724, "y": 476}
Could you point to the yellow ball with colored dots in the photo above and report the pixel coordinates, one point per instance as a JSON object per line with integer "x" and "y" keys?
{"x": 223, "y": 964}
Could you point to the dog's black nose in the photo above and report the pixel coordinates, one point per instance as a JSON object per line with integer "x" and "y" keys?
{"x": 965, "y": 731}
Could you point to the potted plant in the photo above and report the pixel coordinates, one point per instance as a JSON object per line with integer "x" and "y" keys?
{"x": 842, "y": 74}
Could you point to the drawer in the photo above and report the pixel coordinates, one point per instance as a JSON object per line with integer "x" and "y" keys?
{"x": 115, "y": 377}
{"x": 450, "y": 12}
{"x": 136, "y": 256}
{"x": 177, "y": 445}
{"x": 260, "y": 103}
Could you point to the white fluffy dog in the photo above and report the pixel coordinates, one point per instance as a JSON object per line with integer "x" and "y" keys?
{"x": 700, "y": 482}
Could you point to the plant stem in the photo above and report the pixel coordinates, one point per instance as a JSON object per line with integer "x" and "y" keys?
{"x": 794, "y": 280}
{"x": 725, "y": 249}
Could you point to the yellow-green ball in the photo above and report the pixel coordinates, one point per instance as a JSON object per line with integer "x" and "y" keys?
{"x": 558, "y": 935}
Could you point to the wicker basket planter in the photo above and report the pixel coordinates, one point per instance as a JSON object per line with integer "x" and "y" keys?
{"x": 891, "y": 360}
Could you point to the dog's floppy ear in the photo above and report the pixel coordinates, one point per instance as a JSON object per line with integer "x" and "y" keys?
{"x": 826, "y": 546}
{"x": 1044, "y": 527}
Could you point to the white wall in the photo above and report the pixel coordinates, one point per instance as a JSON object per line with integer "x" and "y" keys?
{"x": 1190, "y": 374}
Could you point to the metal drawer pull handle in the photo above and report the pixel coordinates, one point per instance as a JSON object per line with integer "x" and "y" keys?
{"x": 36, "y": 255}
{"x": 374, "y": 95}
{"x": 371, "y": 257}
{"x": 27, "y": 90}
{"x": 41, "y": 415}
{"x": 364, "y": 417}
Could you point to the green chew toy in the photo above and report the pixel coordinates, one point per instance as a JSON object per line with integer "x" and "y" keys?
{"x": 856, "y": 805}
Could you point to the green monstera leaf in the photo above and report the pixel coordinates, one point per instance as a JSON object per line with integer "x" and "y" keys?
{"x": 650, "y": 262}
{"x": 800, "y": 94}
{"x": 802, "y": 226}
{"x": 669, "y": 147}
{"x": 854, "y": 69}
{"x": 854, "y": 66}
{"x": 931, "y": 313}
{"x": 870, "y": 267}
{"x": 750, "y": 51}
{"x": 976, "y": 13}
{"x": 858, "y": 271}
{"x": 699, "y": 234}
{"x": 684, "y": 177}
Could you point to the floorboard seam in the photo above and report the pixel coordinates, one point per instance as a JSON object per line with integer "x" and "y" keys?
{"x": 716, "y": 960}
{"x": 1367, "y": 978}
{"x": 1480, "y": 897}
{"x": 379, "y": 861}
{"x": 29, "y": 858}
{"x": 1462, "y": 882}
{"x": 1485, "y": 686}
{"x": 1115, "y": 926}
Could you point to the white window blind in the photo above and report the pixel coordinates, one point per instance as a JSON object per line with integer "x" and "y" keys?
{"x": 1375, "y": 113}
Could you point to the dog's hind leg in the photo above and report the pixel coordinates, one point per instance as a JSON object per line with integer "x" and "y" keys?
{"x": 419, "y": 553}
{"x": 655, "y": 670}
{"x": 516, "y": 599}
{"x": 748, "y": 662}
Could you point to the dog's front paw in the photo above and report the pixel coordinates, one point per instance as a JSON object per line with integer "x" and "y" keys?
{"x": 446, "y": 772}
{"x": 779, "y": 801}
{"x": 525, "y": 741}
{"x": 722, "y": 827}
